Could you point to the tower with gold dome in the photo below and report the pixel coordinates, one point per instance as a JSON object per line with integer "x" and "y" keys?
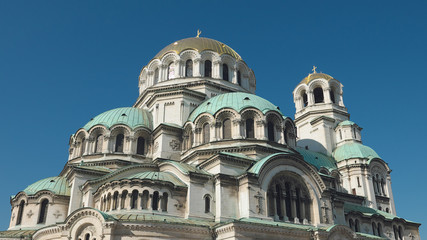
{"x": 200, "y": 156}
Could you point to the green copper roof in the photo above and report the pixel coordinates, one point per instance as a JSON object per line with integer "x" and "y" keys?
{"x": 235, "y": 100}
{"x": 157, "y": 176}
{"x": 57, "y": 185}
{"x": 17, "y": 234}
{"x": 256, "y": 168}
{"x": 317, "y": 159}
{"x": 129, "y": 116}
{"x": 346, "y": 123}
{"x": 162, "y": 219}
{"x": 353, "y": 150}
{"x": 349, "y": 207}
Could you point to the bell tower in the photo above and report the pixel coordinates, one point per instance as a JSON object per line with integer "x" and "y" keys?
{"x": 319, "y": 108}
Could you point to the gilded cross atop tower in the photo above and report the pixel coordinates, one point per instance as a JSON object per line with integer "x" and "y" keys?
{"x": 198, "y": 33}
{"x": 314, "y": 69}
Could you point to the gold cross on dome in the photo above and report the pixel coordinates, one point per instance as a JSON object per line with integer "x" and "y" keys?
{"x": 314, "y": 69}
{"x": 198, "y": 33}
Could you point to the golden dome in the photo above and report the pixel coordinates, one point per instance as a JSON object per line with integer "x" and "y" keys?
{"x": 316, "y": 75}
{"x": 199, "y": 44}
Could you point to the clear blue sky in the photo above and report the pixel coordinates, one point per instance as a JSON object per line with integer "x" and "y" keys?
{"x": 63, "y": 62}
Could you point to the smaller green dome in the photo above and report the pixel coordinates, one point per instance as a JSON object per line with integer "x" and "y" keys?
{"x": 158, "y": 176}
{"x": 346, "y": 123}
{"x": 57, "y": 185}
{"x": 235, "y": 100}
{"x": 129, "y": 116}
{"x": 353, "y": 150}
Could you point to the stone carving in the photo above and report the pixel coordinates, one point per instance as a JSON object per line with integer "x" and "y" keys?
{"x": 57, "y": 214}
{"x": 30, "y": 213}
{"x": 259, "y": 207}
{"x": 156, "y": 146}
{"x": 175, "y": 145}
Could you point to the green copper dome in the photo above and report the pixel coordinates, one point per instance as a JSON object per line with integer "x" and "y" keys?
{"x": 236, "y": 100}
{"x": 57, "y": 185}
{"x": 353, "y": 150}
{"x": 157, "y": 177}
{"x": 346, "y": 123}
{"x": 129, "y": 116}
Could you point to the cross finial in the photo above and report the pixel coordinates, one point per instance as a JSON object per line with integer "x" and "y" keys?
{"x": 198, "y": 33}
{"x": 314, "y": 69}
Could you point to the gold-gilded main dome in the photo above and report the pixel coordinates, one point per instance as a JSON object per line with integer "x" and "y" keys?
{"x": 316, "y": 75}
{"x": 199, "y": 44}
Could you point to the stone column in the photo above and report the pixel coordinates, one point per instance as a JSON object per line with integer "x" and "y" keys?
{"x": 119, "y": 202}
{"x": 197, "y": 67}
{"x": 163, "y": 72}
{"x": 261, "y": 130}
{"x": 233, "y": 74}
{"x": 276, "y": 217}
{"x": 294, "y": 206}
{"x": 285, "y": 217}
{"x": 327, "y": 95}
{"x": 216, "y": 69}
{"x": 236, "y": 129}
{"x": 310, "y": 98}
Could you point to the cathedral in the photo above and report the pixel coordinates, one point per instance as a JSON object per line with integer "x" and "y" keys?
{"x": 200, "y": 156}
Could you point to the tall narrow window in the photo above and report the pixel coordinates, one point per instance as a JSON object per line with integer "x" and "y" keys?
{"x": 351, "y": 224}
{"x": 226, "y": 129}
{"x": 123, "y": 201}
{"x": 20, "y": 211}
{"x": 115, "y": 200}
{"x": 318, "y": 95}
{"x": 377, "y": 182}
{"x": 225, "y": 72}
{"x": 239, "y": 78}
{"x": 340, "y": 134}
{"x": 83, "y": 147}
{"x": 206, "y": 133}
{"x": 109, "y": 202}
{"x": 155, "y": 202}
{"x": 270, "y": 131}
{"x": 382, "y": 186}
{"x": 356, "y": 225}
{"x": 288, "y": 201}
{"x": 380, "y": 230}
{"x": 279, "y": 201}
{"x": 250, "y": 133}
{"x": 189, "y": 68}
{"x": 305, "y": 99}
{"x": 285, "y": 135}
{"x": 298, "y": 203}
{"x": 144, "y": 202}
{"x": 134, "y": 199}
{"x": 358, "y": 182}
{"x": 171, "y": 71}
{"x": 354, "y": 132}
{"x": 164, "y": 204}
{"x": 140, "y": 146}
{"x": 43, "y": 211}
{"x": 207, "y": 204}
{"x": 332, "y": 95}
{"x": 156, "y": 76}
{"x": 87, "y": 236}
{"x": 208, "y": 68}
{"x": 98, "y": 144}
{"x": 374, "y": 229}
{"x": 119, "y": 143}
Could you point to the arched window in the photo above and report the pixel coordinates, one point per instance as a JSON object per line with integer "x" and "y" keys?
{"x": 318, "y": 95}
{"x": 288, "y": 201}
{"x": 98, "y": 144}
{"x": 374, "y": 229}
{"x": 382, "y": 186}
{"x": 279, "y": 211}
{"x": 83, "y": 147}
{"x": 380, "y": 230}
{"x": 340, "y": 134}
{"x": 155, "y": 202}
{"x": 119, "y": 143}
{"x": 226, "y": 129}
{"x": 332, "y": 95}
{"x": 208, "y": 68}
{"x": 156, "y": 76}
{"x": 356, "y": 225}
{"x": 189, "y": 68}
{"x": 225, "y": 72}
{"x": 351, "y": 224}
{"x": 171, "y": 71}
{"x": 239, "y": 78}
{"x": 87, "y": 236}
{"x": 123, "y": 201}
{"x": 400, "y": 232}
{"x": 134, "y": 199}
{"x": 164, "y": 204}
{"x": 108, "y": 202}
{"x": 304, "y": 99}
{"x": 250, "y": 133}
{"x": 115, "y": 200}
{"x": 206, "y": 133}
{"x": 140, "y": 146}
{"x": 207, "y": 203}
{"x": 43, "y": 211}
{"x": 270, "y": 131}
{"x": 144, "y": 202}
{"x": 354, "y": 132}
{"x": 396, "y": 234}
{"x": 377, "y": 182}
{"x": 20, "y": 212}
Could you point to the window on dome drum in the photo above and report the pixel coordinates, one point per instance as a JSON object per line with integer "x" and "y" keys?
{"x": 380, "y": 230}
{"x": 134, "y": 199}
{"x": 354, "y": 132}
{"x": 239, "y": 78}
{"x": 270, "y": 131}
{"x": 119, "y": 143}
{"x": 340, "y": 134}
{"x": 108, "y": 202}
{"x": 156, "y": 76}
{"x": 208, "y": 68}
{"x": 351, "y": 224}
{"x": 115, "y": 200}
{"x": 225, "y": 72}
{"x": 207, "y": 204}
{"x": 397, "y": 233}
{"x": 144, "y": 202}
{"x": 250, "y": 133}
{"x": 43, "y": 211}
{"x": 140, "y": 148}
{"x": 98, "y": 144}
{"x": 164, "y": 203}
{"x": 332, "y": 95}
{"x": 226, "y": 129}
{"x": 87, "y": 237}
{"x": 189, "y": 68}
{"x": 82, "y": 147}
{"x": 206, "y": 133}
{"x": 122, "y": 202}
{"x": 318, "y": 95}
{"x": 20, "y": 211}
{"x": 171, "y": 71}
{"x": 305, "y": 99}
{"x": 374, "y": 229}
{"x": 155, "y": 203}
{"x": 382, "y": 186}
{"x": 356, "y": 226}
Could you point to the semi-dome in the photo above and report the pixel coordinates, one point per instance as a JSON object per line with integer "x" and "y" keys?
{"x": 199, "y": 44}
{"x": 129, "y": 116}
{"x": 353, "y": 150}
{"x": 157, "y": 177}
{"x": 235, "y": 100}
{"x": 312, "y": 76}
{"x": 56, "y": 185}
